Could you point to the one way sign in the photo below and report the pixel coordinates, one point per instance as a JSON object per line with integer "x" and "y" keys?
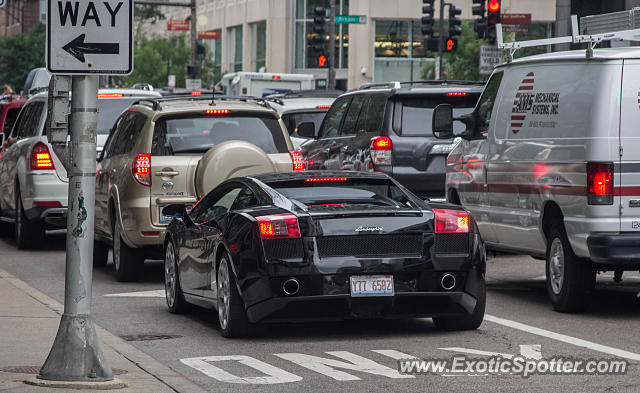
{"x": 90, "y": 37}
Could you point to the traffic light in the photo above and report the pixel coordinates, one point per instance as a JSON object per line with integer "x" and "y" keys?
{"x": 450, "y": 45}
{"x": 493, "y": 18}
{"x": 454, "y": 21}
{"x": 480, "y": 24}
{"x": 427, "y": 17}
{"x": 318, "y": 39}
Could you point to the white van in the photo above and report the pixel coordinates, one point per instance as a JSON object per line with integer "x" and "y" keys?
{"x": 550, "y": 165}
{"x": 262, "y": 84}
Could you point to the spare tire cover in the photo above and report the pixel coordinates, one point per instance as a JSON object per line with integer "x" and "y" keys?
{"x": 230, "y": 159}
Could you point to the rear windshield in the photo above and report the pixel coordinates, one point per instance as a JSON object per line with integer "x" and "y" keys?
{"x": 417, "y": 112}
{"x": 194, "y": 133}
{"x": 293, "y": 120}
{"x": 108, "y": 111}
{"x": 320, "y": 194}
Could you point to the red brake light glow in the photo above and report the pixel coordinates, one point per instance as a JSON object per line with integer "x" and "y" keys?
{"x": 323, "y": 106}
{"x": 40, "y": 157}
{"x": 142, "y": 169}
{"x": 48, "y": 204}
{"x": 275, "y": 77}
{"x": 600, "y": 183}
{"x": 217, "y": 111}
{"x": 106, "y": 95}
{"x": 451, "y": 221}
{"x": 196, "y": 93}
{"x": 279, "y": 226}
{"x": 382, "y": 143}
{"x": 321, "y": 179}
{"x": 298, "y": 161}
{"x": 456, "y": 93}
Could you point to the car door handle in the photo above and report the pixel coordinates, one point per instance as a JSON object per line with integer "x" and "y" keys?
{"x": 167, "y": 173}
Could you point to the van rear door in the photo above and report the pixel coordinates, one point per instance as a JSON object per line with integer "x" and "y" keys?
{"x": 627, "y": 169}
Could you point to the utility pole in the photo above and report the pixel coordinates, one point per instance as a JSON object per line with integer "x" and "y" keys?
{"x": 76, "y": 354}
{"x": 440, "y": 39}
{"x": 194, "y": 39}
{"x": 331, "y": 85}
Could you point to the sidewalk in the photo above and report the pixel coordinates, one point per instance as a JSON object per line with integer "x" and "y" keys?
{"x": 29, "y": 321}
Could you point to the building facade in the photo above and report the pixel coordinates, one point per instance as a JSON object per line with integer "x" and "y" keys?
{"x": 18, "y": 16}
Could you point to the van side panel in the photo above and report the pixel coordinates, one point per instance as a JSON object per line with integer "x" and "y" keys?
{"x": 628, "y": 167}
{"x": 553, "y": 118}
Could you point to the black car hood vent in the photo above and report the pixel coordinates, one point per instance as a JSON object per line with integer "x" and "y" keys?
{"x": 370, "y": 245}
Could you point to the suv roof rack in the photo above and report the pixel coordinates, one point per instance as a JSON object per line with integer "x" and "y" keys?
{"x": 614, "y": 26}
{"x": 307, "y": 94}
{"x": 155, "y": 103}
{"x": 398, "y": 85}
{"x": 373, "y": 85}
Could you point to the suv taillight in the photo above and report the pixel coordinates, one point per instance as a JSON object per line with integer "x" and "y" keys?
{"x": 298, "y": 160}
{"x": 380, "y": 148}
{"x": 451, "y": 221}
{"x": 40, "y": 157}
{"x": 141, "y": 169}
{"x": 279, "y": 226}
{"x": 600, "y": 183}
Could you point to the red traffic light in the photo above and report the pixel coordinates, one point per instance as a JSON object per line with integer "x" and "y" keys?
{"x": 322, "y": 60}
{"x": 450, "y": 45}
{"x": 494, "y": 6}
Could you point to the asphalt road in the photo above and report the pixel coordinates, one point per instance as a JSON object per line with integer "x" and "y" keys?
{"x": 360, "y": 356}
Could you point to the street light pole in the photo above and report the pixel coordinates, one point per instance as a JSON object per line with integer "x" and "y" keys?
{"x": 194, "y": 37}
{"x": 440, "y": 39}
{"x": 76, "y": 354}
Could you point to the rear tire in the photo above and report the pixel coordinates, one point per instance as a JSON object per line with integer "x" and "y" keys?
{"x": 100, "y": 253}
{"x": 172, "y": 287}
{"x": 466, "y": 322}
{"x": 28, "y": 234}
{"x": 128, "y": 262}
{"x": 231, "y": 314}
{"x": 570, "y": 279}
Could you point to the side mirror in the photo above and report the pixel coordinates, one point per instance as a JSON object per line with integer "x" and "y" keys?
{"x": 307, "y": 130}
{"x": 176, "y": 210}
{"x": 442, "y": 121}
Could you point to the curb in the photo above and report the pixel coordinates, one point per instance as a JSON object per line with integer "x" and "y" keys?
{"x": 144, "y": 362}
{"x": 106, "y": 385}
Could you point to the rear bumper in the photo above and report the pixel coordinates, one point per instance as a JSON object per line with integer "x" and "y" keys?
{"x": 615, "y": 249}
{"x": 54, "y": 216}
{"x": 427, "y": 183}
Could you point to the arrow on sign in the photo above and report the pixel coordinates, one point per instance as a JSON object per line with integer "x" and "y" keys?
{"x": 78, "y": 48}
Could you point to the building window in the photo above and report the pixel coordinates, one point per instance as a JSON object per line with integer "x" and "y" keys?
{"x": 259, "y": 39}
{"x": 399, "y": 52}
{"x": 305, "y": 56}
{"x": 235, "y": 49}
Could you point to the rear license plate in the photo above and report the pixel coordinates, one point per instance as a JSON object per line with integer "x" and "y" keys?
{"x": 167, "y": 219}
{"x": 371, "y": 285}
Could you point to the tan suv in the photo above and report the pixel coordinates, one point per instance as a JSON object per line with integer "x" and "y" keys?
{"x": 174, "y": 150}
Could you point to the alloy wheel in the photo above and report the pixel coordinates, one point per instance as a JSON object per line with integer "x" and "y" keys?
{"x": 116, "y": 247}
{"x": 556, "y": 266}
{"x": 224, "y": 291}
{"x": 170, "y": 275}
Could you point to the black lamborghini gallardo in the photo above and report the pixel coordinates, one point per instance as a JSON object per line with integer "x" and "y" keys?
{"x": 324, "y": 245}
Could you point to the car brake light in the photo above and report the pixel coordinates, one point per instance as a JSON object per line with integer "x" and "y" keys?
{"x": 276, "y": 77}
{"x": 217, "y": 111}
{"x": 323, "y": 106}
{"x": 317, "y": 179}
{"x": 380, "y": 148}
{"x": 456, "y": 93}
{"x": 40, "y": 157}
{"x": 105, "y": 95}
{"x": 600, "y": 183}
{"x": 196, "y": 93}
{"x": 451, "y": 221}
{"x": 141, "y": 169}
{"x": 279, "y": 226}
{"x": 48, "y": 204}
{"x": 298, "y": 161}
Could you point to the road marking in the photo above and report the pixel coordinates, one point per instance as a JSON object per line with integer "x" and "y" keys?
{"x": 393, "y": 354}
{"x": 354, "y": 362}
{"x": 274, "y": 374}
{"x": 154, "y": 293}
{"x": 563, "y": 338}
{"x": 528, "y": 351}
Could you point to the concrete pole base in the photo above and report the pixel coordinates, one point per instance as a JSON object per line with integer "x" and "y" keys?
{"x": 82, "y": 385}
{"x": 75, "y": 354}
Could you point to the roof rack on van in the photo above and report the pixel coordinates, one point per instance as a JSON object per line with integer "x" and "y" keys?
{"x": 614, "y": 26}
{"x": 155, "y": 103}
{"x": 442, "y": 82}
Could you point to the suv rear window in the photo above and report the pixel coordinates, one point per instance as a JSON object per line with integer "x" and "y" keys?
{"x": 196, "y": 133}
{"x": 417, "y": 112}
{"x": 379, "y": 192}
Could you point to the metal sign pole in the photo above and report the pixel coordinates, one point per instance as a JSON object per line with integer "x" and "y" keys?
{"x": 76, "y": 354}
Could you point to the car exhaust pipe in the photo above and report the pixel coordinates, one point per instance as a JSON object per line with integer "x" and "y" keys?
{"x": 448, "y": 281}
{"x": 291, "y": 286}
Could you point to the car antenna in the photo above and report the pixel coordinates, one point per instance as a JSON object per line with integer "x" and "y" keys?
{"x": 213, "y": 97}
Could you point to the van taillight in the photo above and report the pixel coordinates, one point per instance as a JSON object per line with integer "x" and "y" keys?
{"x": 279, "y": 226}
{"x": 600, "y": 183}
{"x": 298, "y": 160}
{"x": 380, "y": 148}
{"x": 40, "y": 157}
{"x": 451, "y": 221}
{"x": 141, "y": 169}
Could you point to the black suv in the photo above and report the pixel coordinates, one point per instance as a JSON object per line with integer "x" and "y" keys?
{"x": 386, "y": 127}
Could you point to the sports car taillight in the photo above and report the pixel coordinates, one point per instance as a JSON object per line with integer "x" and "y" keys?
{"x": 40, "y": 157}
{"x": 380, "y": 148}
{"x": 141, "y": 169}
{"x": 279, "y": 226}
{"x": 298, "y": 161}
{"x": 451, "y": 221}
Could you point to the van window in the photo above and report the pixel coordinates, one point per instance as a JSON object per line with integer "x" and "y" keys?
{"x": 487, "y": 101}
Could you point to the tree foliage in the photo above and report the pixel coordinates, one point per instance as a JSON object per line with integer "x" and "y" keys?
{"x": 151, "y": 59}
{"x": 145, "y": 13}
{"x": 19, "y": 54}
